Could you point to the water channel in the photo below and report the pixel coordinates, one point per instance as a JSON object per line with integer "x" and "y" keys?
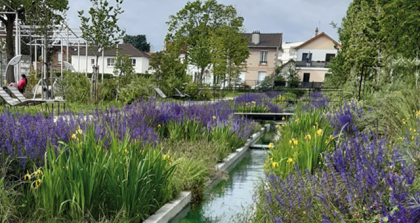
{"x": 229, "y": 198}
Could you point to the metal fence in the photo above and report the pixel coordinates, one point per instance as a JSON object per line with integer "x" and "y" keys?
{"x": 315, "y": 90}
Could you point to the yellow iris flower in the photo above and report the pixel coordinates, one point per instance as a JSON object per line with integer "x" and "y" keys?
{"x": 319, "y": 132}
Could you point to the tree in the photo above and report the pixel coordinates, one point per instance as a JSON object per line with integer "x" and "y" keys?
{"x": 101, "y": 31}
{"x": 169, "y": 70}
{"x": 48, "y": 10}
{"x": 374, "y": 31}
{"x": 291, "y": 72}
{"x": 123, "y": 69}
{"x": 400, "y": 28}
{"x": 229, "y": 53}
{"x": 190, "y": 30}
{"x": 357, "y": 49}
{"x": 138, "y": 41}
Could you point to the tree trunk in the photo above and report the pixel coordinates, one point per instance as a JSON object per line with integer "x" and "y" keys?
{"x": 10, "y": 51}
{"x": 200, "y": 78}
{"x": 96, "y": 83}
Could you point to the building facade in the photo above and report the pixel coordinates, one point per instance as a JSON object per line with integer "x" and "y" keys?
{"x": 314, "y": 57}
{"x": 263, "y": 59}
{"x": 106, "y": 61}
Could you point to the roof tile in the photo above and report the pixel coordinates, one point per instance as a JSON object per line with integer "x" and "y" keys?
{"x": 124, "y": 49}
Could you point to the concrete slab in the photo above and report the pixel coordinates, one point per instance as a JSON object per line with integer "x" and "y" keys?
{"x": 171, "y": 209}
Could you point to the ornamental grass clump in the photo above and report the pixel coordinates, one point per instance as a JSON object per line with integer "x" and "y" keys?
{"x": 83, "y": 177}
{"x": 363, "y": 180}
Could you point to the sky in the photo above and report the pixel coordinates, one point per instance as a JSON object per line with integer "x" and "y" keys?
{"x": 296, "y": 19}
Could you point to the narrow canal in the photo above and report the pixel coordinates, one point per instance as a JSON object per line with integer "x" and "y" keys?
{"x": 229, "y": 198}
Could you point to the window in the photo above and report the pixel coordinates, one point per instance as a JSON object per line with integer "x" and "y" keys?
{"x": 59, "y": 58}
{"x": 306, "y": 77}
{"x": 329, "y": 57}
{"x": 307, "y": 57}
{"x": 92, "y": 61}
{"x": 110, "y": 62}
{"x": 242, "y": 77}
{"x": 263, "y": 57}
{"x": 133, "y": 62}
{"x": 261, "y": 76}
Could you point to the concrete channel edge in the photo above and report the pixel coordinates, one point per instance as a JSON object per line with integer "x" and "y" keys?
{"x": 172, "y": 208}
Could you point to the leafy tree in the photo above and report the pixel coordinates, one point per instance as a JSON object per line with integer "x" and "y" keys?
{"x": 291, "y": 72}
{"x": 400, "y": 28}
{"x": 387, "y": 30}
{"x": 169, "y": 70}
{"x": 138, "y": 41}
{"x": 38, "y": 12}
{"x": 357, "y": 49}
{"x": 100, "y": 30}
{"x": 230, "y": 50}
{"x": 190, "y": 29}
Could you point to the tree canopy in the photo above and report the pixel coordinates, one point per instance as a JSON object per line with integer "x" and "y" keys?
{"x": 193, "y": 29}
{"x": 101, "y": 30}
{"x": 38, "y": 12}
{"x": 138, "y": 41}
{"x": 372, "y": 32}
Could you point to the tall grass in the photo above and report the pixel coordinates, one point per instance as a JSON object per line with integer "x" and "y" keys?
{"x": 391, "y": 114}
{"x": 9, "y": 211}
{"x": 82, "y": 177}
{"x": 195, "y": 163}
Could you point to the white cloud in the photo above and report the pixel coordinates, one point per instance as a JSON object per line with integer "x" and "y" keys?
{"x": 296, "y": 19}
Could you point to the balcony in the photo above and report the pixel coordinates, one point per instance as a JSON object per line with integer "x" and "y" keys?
{"x": 263, "y": 62}
{"x": 300, "y": 84}
{"x": 318, "y": 64}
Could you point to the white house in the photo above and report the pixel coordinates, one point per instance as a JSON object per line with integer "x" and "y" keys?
{"x": 314, "y": 56}
{"x": 139, "y": 59}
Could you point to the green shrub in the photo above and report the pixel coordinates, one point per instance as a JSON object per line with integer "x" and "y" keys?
{"x": 138, "y": 88}
{"x": 197, "y": 92}
{"x": 75, "y": 87}
{"x": 107, "y": 91}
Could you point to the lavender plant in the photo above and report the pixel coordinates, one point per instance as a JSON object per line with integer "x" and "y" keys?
{"x": 363, "y": 181}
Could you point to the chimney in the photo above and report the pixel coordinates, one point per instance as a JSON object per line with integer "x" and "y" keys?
{"x": 316, "y": 31}
{"x": 151, "y": 48}
{"x": 256, "y": 37}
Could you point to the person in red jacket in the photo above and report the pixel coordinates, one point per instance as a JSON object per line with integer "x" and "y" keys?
{"x": 22, "y": 84}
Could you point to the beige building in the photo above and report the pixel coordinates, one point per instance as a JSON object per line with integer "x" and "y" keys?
{"x": 263, "y": 58}
{"x": 314, "y": 57}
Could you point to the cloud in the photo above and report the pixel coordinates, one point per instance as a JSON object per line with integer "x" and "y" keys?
{"x": 296, "y": 19}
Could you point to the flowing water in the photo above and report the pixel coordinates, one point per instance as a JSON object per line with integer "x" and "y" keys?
{"x": 229, "y": 198}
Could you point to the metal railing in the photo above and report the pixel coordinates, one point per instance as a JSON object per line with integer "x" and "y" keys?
{"x": 320, "y": 64}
